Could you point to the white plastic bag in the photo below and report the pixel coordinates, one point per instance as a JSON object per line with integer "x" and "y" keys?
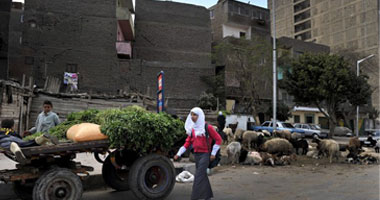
{"x": 185, "y": 177}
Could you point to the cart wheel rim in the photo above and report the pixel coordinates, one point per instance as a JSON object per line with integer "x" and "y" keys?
{"x": 156, "y": 179}
{"x": 60, "y": 190}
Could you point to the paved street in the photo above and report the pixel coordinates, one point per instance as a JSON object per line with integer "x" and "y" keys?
{"x": 296, "y": 182}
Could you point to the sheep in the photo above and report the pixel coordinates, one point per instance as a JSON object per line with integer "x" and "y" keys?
{"x": 369, "y": 157}
{"x": 282, "y": 134}
{"x": 253, "y": 158}
{"x": 278, "y": 146}
{"x": 328, "y": 147}
{"x": 267, "y": 158}
{"x": 312, "y": 154}
{"x": 296, "y": 136}
{"x": 239, "y": 135}
{"x": 354, "y": 142}
{"x": 300, "y": 144}
{"x": 266, "y": 133}
{"x": 250, "y": 137}
{"x": 233, "y": 152}
{"x": 229, "y": 133}
{"x": 286, "y": 160}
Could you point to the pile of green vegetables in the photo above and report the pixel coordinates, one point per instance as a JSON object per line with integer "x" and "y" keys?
{"x": 132, "y": 128}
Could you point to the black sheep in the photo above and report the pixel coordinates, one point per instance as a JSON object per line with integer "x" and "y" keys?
{"x": 297, "y": 144}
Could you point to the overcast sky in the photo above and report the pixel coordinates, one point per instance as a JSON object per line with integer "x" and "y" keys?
{"x": 209, "y": 3}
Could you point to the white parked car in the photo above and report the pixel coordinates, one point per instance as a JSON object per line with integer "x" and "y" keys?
{"x": 312, "y": 130}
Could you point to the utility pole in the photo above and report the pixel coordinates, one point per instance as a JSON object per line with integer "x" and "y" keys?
{"x": 274, "y": 68}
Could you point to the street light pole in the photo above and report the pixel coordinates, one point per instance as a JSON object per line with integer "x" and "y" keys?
{"x": 357, "y": 107}
{"x": 274, "y": 68}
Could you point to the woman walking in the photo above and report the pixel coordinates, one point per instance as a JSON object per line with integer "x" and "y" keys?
{"x": 196, "y": 126}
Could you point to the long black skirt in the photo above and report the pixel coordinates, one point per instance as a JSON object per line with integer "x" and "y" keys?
{"x": 201, "y": 186}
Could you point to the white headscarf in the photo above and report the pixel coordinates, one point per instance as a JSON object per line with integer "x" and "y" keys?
{"x": 199, "y": 125}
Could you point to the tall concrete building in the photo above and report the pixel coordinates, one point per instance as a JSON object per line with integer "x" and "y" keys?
{"x": 343, "y": 25}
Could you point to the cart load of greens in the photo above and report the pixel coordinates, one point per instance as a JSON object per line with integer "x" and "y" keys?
{"x": 132, "y": 128}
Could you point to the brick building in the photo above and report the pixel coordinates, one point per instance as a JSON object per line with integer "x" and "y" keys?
{"x": 114, "y": 45}
{"x": 5, "y": 8}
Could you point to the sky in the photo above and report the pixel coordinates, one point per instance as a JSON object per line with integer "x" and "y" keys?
{"x": 209, "y": 3}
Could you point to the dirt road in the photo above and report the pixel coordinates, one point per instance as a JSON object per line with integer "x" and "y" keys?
{"x": 305, "y": 179}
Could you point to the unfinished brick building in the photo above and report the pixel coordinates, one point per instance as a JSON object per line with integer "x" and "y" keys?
{"x": 115, "y": 45}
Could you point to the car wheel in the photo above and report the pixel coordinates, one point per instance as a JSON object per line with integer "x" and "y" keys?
{"x": 315, "y": 135}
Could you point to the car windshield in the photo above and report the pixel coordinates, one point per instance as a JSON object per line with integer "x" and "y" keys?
{"x": 315, "y": 127}
{"x": 287, "y": 125}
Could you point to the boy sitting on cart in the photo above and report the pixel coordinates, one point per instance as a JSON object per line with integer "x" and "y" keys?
{"x": 9, "y": 139}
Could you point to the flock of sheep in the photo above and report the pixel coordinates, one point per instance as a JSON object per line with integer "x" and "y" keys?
{"x": 281, "y": 147}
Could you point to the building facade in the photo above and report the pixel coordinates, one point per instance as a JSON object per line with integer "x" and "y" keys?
{"x": 113, "y": 46}
{"x": 342, "y": 25}
{"x": 232, "y": 20}
{"x": 5, "y": 12}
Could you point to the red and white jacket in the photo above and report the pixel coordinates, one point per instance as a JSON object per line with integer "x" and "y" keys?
{"x": 200, "y": 142}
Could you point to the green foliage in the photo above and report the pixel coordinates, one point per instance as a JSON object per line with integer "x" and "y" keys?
{"x": 207, "y": 101}
{"x": 86, "y": 116}
{"x": 283, "y": 112}
{"x": 32, "y": 137}
{"x": 132, "y": 127}
{"x": 325, "y": 81}
{"x": 248, "y": 71}
{"x": 142, "y": 131}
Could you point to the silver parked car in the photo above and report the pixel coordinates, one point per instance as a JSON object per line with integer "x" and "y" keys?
{"x": 342, "y": 131}
{"x": 312, "y": 130}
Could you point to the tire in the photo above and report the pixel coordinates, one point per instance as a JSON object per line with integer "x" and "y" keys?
{"x": 152, "y": 177}
{"x": 24, "y": 191}
{"x": 58, "y": 183}
{"x": 114, "y": 178}
{"x": 314, "y": 135}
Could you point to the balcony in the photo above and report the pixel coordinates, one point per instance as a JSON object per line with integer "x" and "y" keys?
{"x": 124, "y": 49}
{"x": 126, "y": 22}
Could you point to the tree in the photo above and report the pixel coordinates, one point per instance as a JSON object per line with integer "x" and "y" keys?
{"x": 248, "y": 63}
{"x": 283, "y": 112}
{"x": 325, "y": 81}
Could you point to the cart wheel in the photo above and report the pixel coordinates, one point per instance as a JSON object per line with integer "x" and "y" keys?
{"x": 23, "y": 191}
{"x": 115, "y": 178}
{"x": 58, "y": 183}
{"x": 152, "y": 177}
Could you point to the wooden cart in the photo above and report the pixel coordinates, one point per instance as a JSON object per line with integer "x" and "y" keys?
{"x": 51, "y": 172}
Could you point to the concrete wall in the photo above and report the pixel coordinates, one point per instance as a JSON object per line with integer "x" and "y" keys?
{"x": 5, "y": 7}
{"x": 226, "y": 14}
{"x": 342, "y": 25}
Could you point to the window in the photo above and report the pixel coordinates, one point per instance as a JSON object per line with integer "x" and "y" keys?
{"x": 305, "y": 126}
{"x": 309, "y": 119}
{"x": 242, "y": 34}
{"x": 297, "y": 119}
{"x": 287, "y": 125}
{"x": 72, "y": 68}
{"x": 211, "y": 14}
{"x": 266, "y": 124}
